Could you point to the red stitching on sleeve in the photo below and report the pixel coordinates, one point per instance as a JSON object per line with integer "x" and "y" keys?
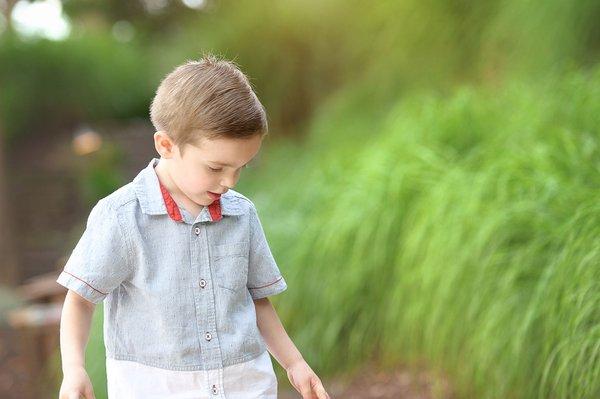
{"x": 256, "y": 288}
{"x": 85, "y": 282}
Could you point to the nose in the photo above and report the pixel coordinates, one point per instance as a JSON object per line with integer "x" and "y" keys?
{"x": 228, "y": 182}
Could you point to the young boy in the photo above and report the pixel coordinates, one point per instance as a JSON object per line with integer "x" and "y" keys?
{"x": 181, "y": 260}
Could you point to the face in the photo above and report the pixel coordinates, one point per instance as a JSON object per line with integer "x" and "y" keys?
{"x": 211, "y": 167}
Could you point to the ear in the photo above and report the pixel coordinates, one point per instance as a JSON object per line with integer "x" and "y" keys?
{"x": 164, "y": 144}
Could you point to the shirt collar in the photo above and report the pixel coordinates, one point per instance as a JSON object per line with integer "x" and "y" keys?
{"x": 155, "y": 201}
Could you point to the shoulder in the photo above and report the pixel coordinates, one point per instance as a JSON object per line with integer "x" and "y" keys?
{"x": 121, "y": 197}
{"x": 240, "y": 200}
{"x": 245, "y": 206}
{"x": 119, "y": 202}
{"x": 238, "y": 196}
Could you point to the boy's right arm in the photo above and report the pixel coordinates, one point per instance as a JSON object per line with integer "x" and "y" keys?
{"x": 75, "y": 324}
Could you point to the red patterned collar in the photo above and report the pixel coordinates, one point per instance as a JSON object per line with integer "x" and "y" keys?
{"x": 173, "y": 210}
{"x": 154, "y": 200}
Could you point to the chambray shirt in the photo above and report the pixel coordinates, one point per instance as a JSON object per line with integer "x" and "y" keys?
{"x": 178, "y": 292}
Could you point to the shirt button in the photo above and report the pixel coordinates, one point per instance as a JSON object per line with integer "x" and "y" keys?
{"x": 208, "y": 336}
{"x": 202, "y": 283}
{"x": 197, "y": 231}
{"x": 215, "y": 391}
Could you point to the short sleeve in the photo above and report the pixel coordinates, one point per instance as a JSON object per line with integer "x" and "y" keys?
{"x": 264, "y": 277}
{"x": 99, "y": 261}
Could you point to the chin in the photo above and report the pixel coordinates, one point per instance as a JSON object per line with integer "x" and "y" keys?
{"x": 204, "y": 201}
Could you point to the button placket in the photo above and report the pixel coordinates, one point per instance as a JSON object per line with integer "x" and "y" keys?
{"x": 215, "y": 381}
{"x": 197, "y": 233}
{"x": 210, "y": 351}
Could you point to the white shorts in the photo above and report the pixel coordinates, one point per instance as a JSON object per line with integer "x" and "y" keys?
{"x": 252, "y": 379}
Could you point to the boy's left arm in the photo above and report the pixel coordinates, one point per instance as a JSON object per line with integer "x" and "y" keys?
{"x": 279, "y": 344}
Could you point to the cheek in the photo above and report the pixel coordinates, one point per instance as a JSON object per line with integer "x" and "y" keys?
{"x": 198, "y": 182}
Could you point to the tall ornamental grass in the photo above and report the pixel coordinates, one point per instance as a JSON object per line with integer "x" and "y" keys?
{"x": 462, "y": 235}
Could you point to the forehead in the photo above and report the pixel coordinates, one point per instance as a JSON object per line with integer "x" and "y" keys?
{"x": 225, "y": 150}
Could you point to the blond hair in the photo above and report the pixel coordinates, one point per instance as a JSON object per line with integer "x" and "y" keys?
{"x": 207, "y": 98}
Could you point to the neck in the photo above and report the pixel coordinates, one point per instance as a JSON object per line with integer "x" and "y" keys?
{"x": 164, "y": 176}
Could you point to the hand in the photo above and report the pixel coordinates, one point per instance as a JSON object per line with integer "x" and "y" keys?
{"x": 76, "y": 384}
{"x": 306, "y": 381}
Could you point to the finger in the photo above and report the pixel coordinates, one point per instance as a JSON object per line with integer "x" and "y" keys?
{"x": 313, "y": 395}
{"x": 89, "y": 394}
{"x": 306, "y": 391}
{"x": 320, "y": 391}
{"x": 73, "y": 395}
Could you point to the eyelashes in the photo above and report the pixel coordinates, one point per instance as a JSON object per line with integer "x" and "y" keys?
{"x": 220, "y": 169}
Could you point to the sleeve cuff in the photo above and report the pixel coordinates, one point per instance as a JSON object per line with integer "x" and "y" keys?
{"x": 82, "y": 288}
{"x": 274, "y": 288}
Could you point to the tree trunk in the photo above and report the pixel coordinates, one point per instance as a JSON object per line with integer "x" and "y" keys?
{"x": 7, "y": 11}
{"x": 8, "y": 264}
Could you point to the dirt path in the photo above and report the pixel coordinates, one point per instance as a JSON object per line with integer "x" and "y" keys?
{"x": 397, "y": 384}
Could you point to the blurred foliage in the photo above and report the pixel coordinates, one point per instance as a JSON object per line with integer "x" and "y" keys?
{"x": 99, "y": 173}
{"x": 463, "y": 236}
{"x": 9, "y": 300}
{"x": 150, "y": 18}
{"x": 47, "y": 86}
{"x": 297, "y": 53}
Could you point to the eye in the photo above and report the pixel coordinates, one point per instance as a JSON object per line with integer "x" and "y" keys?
{"x": 215, "y": 170}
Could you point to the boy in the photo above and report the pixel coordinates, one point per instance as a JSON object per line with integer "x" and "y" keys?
{"x": 181, "y": 260}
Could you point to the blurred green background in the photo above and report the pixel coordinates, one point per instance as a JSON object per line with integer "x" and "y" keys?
{"x": 429, "y": 186}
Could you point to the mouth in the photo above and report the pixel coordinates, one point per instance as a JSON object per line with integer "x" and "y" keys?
{"x": 214, "y": 196}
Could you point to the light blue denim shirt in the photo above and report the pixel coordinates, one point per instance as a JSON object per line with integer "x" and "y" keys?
{"x": 177, "y": 296}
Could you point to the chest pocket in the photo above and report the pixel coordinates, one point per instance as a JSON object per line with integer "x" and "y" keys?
{"x": 230, "y": 263}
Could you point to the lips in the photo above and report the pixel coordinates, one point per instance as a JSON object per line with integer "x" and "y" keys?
{"x": 214, "y": 196}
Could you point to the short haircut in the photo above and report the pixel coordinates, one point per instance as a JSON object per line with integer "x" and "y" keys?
{"x": 208, "y": 98}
